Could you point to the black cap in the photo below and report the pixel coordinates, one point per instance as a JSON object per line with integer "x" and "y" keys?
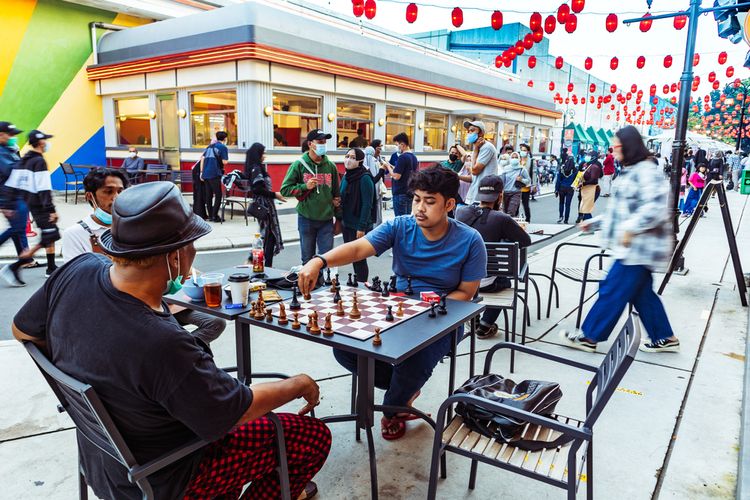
{"x": 9, "y": 128}
{"x": 317, "y": 134}
{"x": 490, "y": 188}
{"x": 37, "y": 135}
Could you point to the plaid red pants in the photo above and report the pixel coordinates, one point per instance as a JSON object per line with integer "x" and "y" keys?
{"x": 247, "y": 455}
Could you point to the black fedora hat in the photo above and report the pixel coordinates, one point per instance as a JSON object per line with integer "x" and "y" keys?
{"x": 151, "y": 219}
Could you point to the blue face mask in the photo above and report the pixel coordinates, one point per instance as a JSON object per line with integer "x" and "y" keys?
{"x": 472, "y": 138}
{"x": 103, "y": 216}
{"x": 173, "y": 285}
{"x": 13, "y": 142}
{"x": 587, "y": 159}
{"x": 320, "y": 149}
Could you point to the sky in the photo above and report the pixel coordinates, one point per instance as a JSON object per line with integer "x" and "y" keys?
{"x": 591, "y": 39}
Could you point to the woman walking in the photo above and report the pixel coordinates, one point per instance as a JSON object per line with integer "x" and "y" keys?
{"x": 637, "y": 228}
{"x": 357, "y": 202}
{"x": 696, "y": 183}
{"x": 260, "y": 182}
{"x": 527, "y": 192}
{"x": 515, "y": 178}
{"x": 564, "y": 188}
{"x": 589, "y": 186}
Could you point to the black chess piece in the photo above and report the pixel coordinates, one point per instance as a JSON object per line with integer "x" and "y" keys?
{"x": 432, "y": 310}
{"x": 409, "y": 290}
{"x": 389, "y": 314}
{"x": 385, "y": 292}
{"x": 336, "y": 296}
{"x": 442, "y": 309}
{"x": 392, "y": 287}
{"x": 375, "y": 286}
{"x": 294, "y": 304}
{"x": 338, "y": 281}
{"x": 350, "y": 281}
{"x": 327, "y": 281}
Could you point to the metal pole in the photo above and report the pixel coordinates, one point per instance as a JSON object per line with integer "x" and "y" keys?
{"x": 742, "y": 119}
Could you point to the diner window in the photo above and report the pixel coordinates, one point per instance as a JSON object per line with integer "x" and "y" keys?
{"x": 133, "y": 123}
{"x": 509, "y": 135}
{"x": 294, "y": 116}
{"x": 398, "y": 120}
{"x": 526, "y": 136}
{"x": 490, "y": 132}
{"x": 435, "y": 132}
{"x": 543, "y": 139}
{"x": 353, "y": 124}
{"x": 211, "y": 112}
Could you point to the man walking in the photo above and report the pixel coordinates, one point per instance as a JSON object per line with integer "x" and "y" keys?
{"x": 214, "y": 158}
{"x": 406, "y": 165}
{"x": 484, "y": 154}
{"x": 314, "y": 180}
{"x": 11, "y": 204}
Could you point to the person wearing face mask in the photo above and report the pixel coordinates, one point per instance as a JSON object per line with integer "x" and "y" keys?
{"x": 455, "y": 159}
{"x": 400, "y": 172}
{"x": 31, "y": 178}
{"x": 527, "y": 192}
{"x": 564, "y": 188}
{"x": 357, "y": 204}
{"x": 314, "y": 180}
{"x": 132, "y": 164}
{"x": 503, "y": 162}
{"x": 484, "y": 154}
{"x": 261, "y": 185}
{"x": 375, "y": 165}
{"x": 589, "y": 189}
{"x": 515, "y": 178}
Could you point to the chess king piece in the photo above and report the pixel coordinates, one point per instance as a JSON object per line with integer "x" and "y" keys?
{"x": 376, "y": 340}
{"x": 409, "y": 290}
{"x": 282, "y": 315}
{"x": 340, "y": 308}
{"x": 354, "y": 313}
{"x": 294, "y": 304}
{"x": 295, "y": 322}
{"x": 314, "y": 328}
{"x": 392, "y": 287}
{"x": 328, "y": 327}
{"x": 400, "y": 310}
{"x": 327, "y": 281}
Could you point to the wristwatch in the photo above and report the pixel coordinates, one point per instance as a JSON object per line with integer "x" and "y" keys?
{"x": 325, "y": 262}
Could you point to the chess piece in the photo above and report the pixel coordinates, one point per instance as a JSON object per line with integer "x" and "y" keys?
{"x": 376, "y": 340}
{"x": 354, "y": 313}
{"x": 282, "y": 315}
{"x": 336, "y": 296}
{"x": 269, "y": 315}
{"x": 389, "y": 314}
{"x": 350, "y": 281}
{"x": 385, "y": 293}
{"x": 400, "y": 310}
{"x": 432, "y": 310}
{"x": 307, "y": 296}
{"x": 334, "y": 284}
{"x": 295, "y": 322}
{"x": 392, "y": 287}
{"x": 314, "y": 328}
{"x": 294, "y": 304}
{"x": 309, "y": 322}
{"x": 340, "y": 309}
{"x": 327, "y": 281}
{"x": 338, "y": 281}
{"x": 260, "y": 311}
{"x": 442, "y": 309}
{"x": 252, "y": 309}
{"x": 328, "y": 327}
{"x": 375, "y": 287}
{"x": 409, "y": 290}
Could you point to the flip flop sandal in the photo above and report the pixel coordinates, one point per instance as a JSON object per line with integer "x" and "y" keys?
{"x": 31, "y": 265}
{"x": 410, "y": 416}
{"x": 311, "y": 490}
{"x": 394, "y": 429}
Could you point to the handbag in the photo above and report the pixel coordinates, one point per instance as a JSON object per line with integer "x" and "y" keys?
{"x": 533, "y": 396}
{"x": 258, "y": 210}
{"x": 730, "y": 185}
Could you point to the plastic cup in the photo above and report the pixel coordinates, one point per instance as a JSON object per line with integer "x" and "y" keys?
{"x": 212, "y": 288}
{"x": 239, "y": 286}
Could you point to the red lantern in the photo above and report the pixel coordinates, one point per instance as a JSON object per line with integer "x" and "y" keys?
{"x": 519, "y": 48}
{"x": 665, "y": 90}
{"x": 652, "y": 90}
{"x": 716, "y": 85}
{"x": 562, "y": 13}
{"x": 358, "y": 7}
{"x": 611, "y": 23}
{"x": 646, "y": 23}
{"x": 722, "y": 57}
{"x": 457, "y": 17}
{"x": 571, "y": 24}
{"x": 711, "y": 77}
{"x": 551, "y": 86}
{"x": 592, "y": 88}
{"x": 508, "y": 63}
{"x": 730, "y": 72}
{"x": 535, "y": 21}
{"x": 532, "y": 62}
{"x": 640, "y": 62}
{"x": 614, "y": 63}
{"x": 528, "y": 41}
{"x": 706, "y": 98}
{"x": 591, "y": 99}
{"x": 736, "y": 83}
{"x": 370, "y": 9}
{"x": 588, "y": 63}
{"x": 531, "y": 83}
{"x": 559, "y": 62}
{"x": 612, "y": 88}
{"x": 537, "y": 36}
{"x": 499, "y": 60}
{"x": 570, "y": 87}
{"x": 411, "y": 13}
{"x": 696, "y": 59}
{"x": 497, "y": 20}
{"x": 673, "y": 100}
{"x": 577, "y": 5}
{"x": 550, "y": 24}
{"x": 667, "y": 61}
{"x": 680, "y": 22}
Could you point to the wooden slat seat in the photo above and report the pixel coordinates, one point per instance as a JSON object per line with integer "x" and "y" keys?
{"x": 576, "y": 273}
{"x": 503, "y": 298}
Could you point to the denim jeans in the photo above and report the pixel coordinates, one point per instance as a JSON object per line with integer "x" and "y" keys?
{"x": 565, "y": 196}
{"x": 401, "y": 204}
{"x": 623, "y": 285}
{"x": 17, "y": 229}
{"x": 312, "y": 233}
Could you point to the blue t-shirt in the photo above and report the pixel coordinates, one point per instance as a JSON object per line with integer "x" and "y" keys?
{"x": 434, "y": 266}
{"x": 211, "y": 167}
{"x": 406, "y": 164}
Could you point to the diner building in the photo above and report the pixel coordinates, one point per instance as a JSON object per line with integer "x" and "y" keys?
{"x": 270, "y": 72}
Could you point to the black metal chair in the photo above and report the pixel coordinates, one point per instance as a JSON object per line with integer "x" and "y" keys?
{"x": 161, "y": 171}
{"x": 571, "y": 440}
{"x": 182, "y": 178}
{"x": 93, "y": 422}
{"x": 582, "y": 275}
{"x": 73, "y": 179}
{"x": 241, "y": 194}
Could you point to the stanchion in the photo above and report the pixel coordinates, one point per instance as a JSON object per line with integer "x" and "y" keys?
{"x": 29, "y": 231}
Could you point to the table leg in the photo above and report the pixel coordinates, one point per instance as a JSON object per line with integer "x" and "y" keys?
{"x": 366, "y": 413}
{"x": 242, "y": 344}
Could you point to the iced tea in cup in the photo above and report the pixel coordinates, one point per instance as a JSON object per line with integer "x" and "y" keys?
{"x": 212, "y": 288}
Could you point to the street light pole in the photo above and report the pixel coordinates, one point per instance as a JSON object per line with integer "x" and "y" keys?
{"x": 742, "y": 119}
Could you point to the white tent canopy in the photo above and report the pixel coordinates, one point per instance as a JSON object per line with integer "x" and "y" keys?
{"x": 663, "y": 142}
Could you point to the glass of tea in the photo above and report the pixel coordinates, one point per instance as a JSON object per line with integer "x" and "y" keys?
{"x": 212, "y": 283}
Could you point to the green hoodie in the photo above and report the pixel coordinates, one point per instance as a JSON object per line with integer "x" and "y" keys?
{"x": 314, "y": 204}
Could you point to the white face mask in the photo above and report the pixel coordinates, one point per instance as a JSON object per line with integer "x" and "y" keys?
{"x": 47, "y": 146}
{"x": 132, "y": 154}
{"x": 350, "y": 163}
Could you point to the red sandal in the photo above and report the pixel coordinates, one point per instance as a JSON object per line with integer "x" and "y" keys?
{"x": 392, "y": 428}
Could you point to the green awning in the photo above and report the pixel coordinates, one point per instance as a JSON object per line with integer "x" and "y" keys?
{"x": 610, "y": 134}
{"x": 604, "y": 139}
{"x": 581, "y": 135}
{"x": 595, "y": 139}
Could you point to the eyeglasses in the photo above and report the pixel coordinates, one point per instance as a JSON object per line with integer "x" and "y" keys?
{"x": 617, "y": 146}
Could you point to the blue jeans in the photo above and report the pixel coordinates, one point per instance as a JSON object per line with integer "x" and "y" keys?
{"x": 312, "y": 233}
{"x": 401, "y": 204}
{"x": 623, "y": 285}
{"x": 402, "y": 381}
{"x": 565, "y": 196}
{"x": 17, "y": 229}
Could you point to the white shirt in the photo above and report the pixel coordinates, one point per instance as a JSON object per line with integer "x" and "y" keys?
{"x": 76, "y": 240}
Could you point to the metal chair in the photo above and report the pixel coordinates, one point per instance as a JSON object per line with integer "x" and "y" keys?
{"x": 182, "y": 178}
{"x": 93, "y": 422}
{"x": 241, "y": 193}
{"x": 582, "y": 275}
{"x": 571, "y": 440}
{"x": 160, "y": 170}
{"x": 72, "y": 178}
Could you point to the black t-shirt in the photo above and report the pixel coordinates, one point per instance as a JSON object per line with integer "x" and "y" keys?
{"x": 494, "y": 226}
{"x": 406, "y": 165}
{"x": 161, "y": 388}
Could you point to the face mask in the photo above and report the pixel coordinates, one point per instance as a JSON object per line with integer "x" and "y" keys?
{"x": 350, "y": 163}
{"x": 47, "y": 146}
{"x": 503, "y": 163}
{"x": 515, "y": 162}
{"x": 173, "y": 285}
{"x": 523, "y": 154}
{"x": 472, "y": 138}
{"x": 320, "y": 149}
{"x": 132, "y": 155}
{"x": 453, "y": 157}
{"x": 587, "y": 159}
{"x": 103, "y": 216}
{"x": 12, "y": 142}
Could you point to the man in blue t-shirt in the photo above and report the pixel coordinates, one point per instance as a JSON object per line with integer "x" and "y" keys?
{"x": 401, "y": 170}
{"x": 439, "y": 254}
{"x": 212, "y": 168}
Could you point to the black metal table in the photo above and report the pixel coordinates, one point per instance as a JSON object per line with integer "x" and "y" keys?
{"x": 398, "y": 343}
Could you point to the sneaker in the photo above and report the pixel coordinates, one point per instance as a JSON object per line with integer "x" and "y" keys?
{"x": 485, "y": 332}
{"x": 11, "y": 277}
{"x": 49, "y": 272}
{"x": 576, "y": 340}
{"x": 663, "y": 345}
{"x": 559, "y": 221}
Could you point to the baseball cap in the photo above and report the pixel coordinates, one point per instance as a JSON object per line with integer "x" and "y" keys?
{"x": 37, "y": 135}
{"x": 9, "y": 128}
{"x": 490, "y": 188}
{"x": 317, "y": 134}
{"x": 478, "y": 123}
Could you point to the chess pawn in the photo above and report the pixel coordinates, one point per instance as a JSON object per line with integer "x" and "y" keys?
{"x": 314, "y": 328}
{"x": 389, "y": 314}
{"x": 328, "y": 327}
{"x": 376, "y": 340}
{"x": 400, "y": 310}
{"x": 294, "y": 304}
{"x": 282, "y": 315}
{"x": 309, "y": 322}
{"x": 340, "y": 309}
{"x": 354, "y": 313}
{"x": 295, "y": 322}
{"x": 269, "y": 315}
{"x": 334, "y": 284}
{"x": 307, "y": 296}
{"x": 260, "y": 310}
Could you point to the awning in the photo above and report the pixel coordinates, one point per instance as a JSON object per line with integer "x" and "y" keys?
{"x": 595, "y": 139}
{"x": 604, "y": 139}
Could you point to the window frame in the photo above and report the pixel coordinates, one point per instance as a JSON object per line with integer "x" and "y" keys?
{"x": 446, "y": 130}
{"x": 413, "y": 125}
{"x": 279, "y": 90}
{"x": 370, "y": 104}
{"x": 232, "y": 136}
{"x": 115, "y": 105}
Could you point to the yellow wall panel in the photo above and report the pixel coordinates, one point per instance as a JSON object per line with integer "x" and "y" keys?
{"x": 13, "y": 23}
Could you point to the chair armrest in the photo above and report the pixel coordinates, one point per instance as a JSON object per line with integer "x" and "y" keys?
{"x": 587, "y": 265}
{"x": 139, "y": 472}
{"x": 523, "y": 272}
{"x": 534, "y": 352}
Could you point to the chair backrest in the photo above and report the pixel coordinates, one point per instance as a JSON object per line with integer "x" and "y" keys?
{"x": 87, "y": 411}
{"x": 157, "y": 166}
{"x": 616, "y": 363}
{"x": 502, "y": 259}
{"x": 67, "y": 168}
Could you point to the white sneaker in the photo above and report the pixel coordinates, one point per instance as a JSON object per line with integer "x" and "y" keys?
{"x": 575, "y": 340}
{"x": 6, "y": 273}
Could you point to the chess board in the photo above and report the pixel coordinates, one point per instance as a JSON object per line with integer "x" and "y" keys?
{"x": 372, "y": 308}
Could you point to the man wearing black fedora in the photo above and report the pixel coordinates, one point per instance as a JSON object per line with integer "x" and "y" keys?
{"x": 105, "y": 323}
